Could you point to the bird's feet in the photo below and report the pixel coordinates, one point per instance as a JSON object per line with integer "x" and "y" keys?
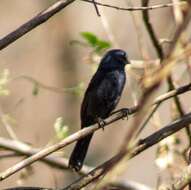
{"x": 101, "y": 123}
{"x": 124, "y": 111}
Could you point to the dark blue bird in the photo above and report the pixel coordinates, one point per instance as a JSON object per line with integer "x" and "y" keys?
{"x": 100, "y": 99}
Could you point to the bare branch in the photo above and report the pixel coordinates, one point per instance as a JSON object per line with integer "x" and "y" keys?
{"x": 22, "y": 149}
{"x": 137, "y": 149}
{"x": 181, "y": 182}
{"x": 151, "y": 31}
{"x": 48, "y": 150}
{"x": 137, "y": 8}
{"x": 55, "y": 8}
{"x": 161, "y": 55}
{"x": 151, "y": 83}
{"x": 80, "y": 134}
{"x": 95, "y": 5}
{"x": 34, "y": 22}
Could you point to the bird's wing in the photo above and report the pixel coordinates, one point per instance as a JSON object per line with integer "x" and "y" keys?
{"x": 87, "y": 117}
{"x": 110, "y": 89}
{"x": 101, "y": 96}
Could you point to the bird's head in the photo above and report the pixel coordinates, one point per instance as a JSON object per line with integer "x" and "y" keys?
{"x": 114, "y": 59}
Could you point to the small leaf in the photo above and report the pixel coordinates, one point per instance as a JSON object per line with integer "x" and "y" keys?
{"x": 102, "y": 45}
{"x": 90, "y": 38}
{"x": 60, "y": 128}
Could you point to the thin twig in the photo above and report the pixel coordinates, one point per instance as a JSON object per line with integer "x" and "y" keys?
{"x": 47, "y": 87}
{"x": 34, "y": 22}
{"x": 154, "y": 109}
{"x": 139, "y": 32}
{"x": 96, "y": 8}
{"x": 7, "y": 126}
{"x": 151, "y": 31}
{"x": 136, "y": 8}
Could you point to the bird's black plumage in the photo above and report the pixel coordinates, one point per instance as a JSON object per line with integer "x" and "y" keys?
{"x": 101, "y": 97}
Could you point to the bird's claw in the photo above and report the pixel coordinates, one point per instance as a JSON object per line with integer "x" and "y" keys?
{"x": 125, "y": 113}
{"x": 101, "y": 123}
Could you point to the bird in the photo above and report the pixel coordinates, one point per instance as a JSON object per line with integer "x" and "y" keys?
{"x": 101, "y": 98}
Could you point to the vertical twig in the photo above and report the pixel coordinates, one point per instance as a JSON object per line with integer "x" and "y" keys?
{"x": 96, "y": 8}
{"x": 160, "y": 54}
{"x": 151, "y": 31}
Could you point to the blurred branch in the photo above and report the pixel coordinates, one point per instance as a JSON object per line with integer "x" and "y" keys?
{"x": 181, "y": 182}
{"x": 30, "y": 188}
{"x": 151, "y": 31}
{"x": 48, "y": 150}
{"x": 96, "y": 8}
{"x": 7, "y": 155}
{"x": 39, "y": 84}
{"x": 150, "y": 84}
{"x": 22, "y": 149}
{"x": 161, "y": 55}
{"x": 139, "y": 32}
{"x": 55, "y": 8}
{"x": 7, "y": 126}
{"x": 126, "y": 185}
{"x": 178, "y": 32}
{"x": 153, "y": 110}
{"x": 137, "y": 8}
{"x": 141, "y": 146}
{"x": 80, "y": 134}
{"x": 34, "y": 22}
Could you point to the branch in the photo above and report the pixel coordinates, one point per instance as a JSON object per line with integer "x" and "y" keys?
{"x": 150, "y": 83}
{"x": 126, "y": 185}
{"x": 161, "y": 55}
{"x": 30, "y": 188}
{"x": 82, "y": 133}
{"x": 34, "y": 22}
{"x": 137, "y": 8}
{"x": 50, "y": 88}
{"x": 151, "y": 31}
{"x": 180, "y": 182}
{"x": 48, "y": 150}
{"x": 137, "y": 149}
{"x": 95, "y": 5}
{"x": 22, "y": 149}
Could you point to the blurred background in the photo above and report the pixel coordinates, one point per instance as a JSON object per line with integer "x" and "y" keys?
{"x": 54, "y": 55}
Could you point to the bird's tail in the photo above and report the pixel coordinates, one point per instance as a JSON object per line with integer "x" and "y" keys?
{"x": 79, "y": 153}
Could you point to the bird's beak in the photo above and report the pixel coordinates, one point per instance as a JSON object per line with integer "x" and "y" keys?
{"x": 127, "y": 61}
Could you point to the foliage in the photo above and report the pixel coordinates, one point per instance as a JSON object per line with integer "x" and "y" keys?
{"x": 60, "y": 128}
{"x": 96, "y": 43}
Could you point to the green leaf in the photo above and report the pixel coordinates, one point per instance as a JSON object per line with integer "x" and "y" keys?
{"x": 60, "y": 128}
{"x": 90, "y": 38}
{"x": 102, "y": 45}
